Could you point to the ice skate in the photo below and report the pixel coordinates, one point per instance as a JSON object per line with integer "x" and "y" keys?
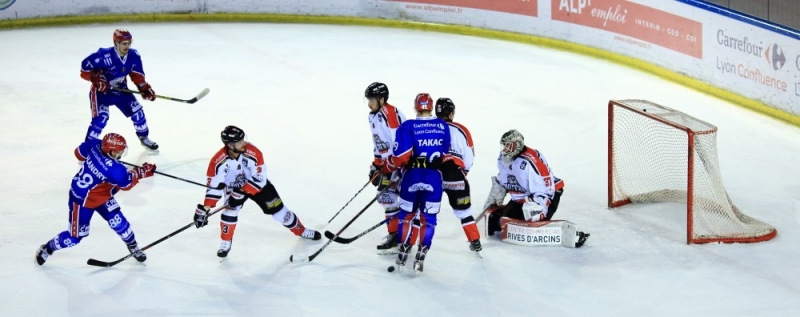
{"x": 311, "y": 234}
{"x": 419, "y": 259}
{"x": 148, "y": 144}
{"x": 475, "y": 245}
{"x": 402, "y": 255}
{"x": 389, "y": 245}
{"x": 137, "y": 254}
{"x": 42, "y": 254}
{"x": 582, "y": 237}
{"x": 224, "y": 248}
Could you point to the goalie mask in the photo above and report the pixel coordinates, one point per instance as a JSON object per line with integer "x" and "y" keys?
{"x": 513, "y": 143}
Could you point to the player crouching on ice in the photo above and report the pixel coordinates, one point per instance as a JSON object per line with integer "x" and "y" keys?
{"x": 238, "y": 171}
{"x": 535, "y": 194}
{"x": 92, "y": 190}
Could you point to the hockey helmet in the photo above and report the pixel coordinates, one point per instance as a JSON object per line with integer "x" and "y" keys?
{"x": 377, "y": 90}
{"x": 122, "y": 35}
{"x": 114, "y": 142}
{"x": 231, "y": 134}
{"x": 513, "y": 143}
{"x": 423, "y": 102}
{"x": 444, "y": 107}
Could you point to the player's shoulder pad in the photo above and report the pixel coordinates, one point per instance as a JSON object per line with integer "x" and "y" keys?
{"x": 116, "y": 170}
{"x": 216, "y": 160}
{"x": 253, "y": 151}
{"x": 391, "y": 114}
{"x": 133, "y": 51}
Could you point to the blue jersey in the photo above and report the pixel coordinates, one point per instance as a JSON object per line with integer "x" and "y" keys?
{"x": 424, "y": 141}
{"x": 100, "y": 176}
{"x": 115, "y": 68}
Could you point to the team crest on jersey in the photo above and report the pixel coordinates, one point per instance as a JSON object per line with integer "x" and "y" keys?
{"x": 513, "y": 185}
{"x": 239, "y": 182}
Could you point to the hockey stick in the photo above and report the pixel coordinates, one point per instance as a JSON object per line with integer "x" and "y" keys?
{"x": 94, "y": 262}
{"x": 199, "y": 96}
{"x": 341, "y": 240}
{"x": 170, "y": 176}
{"x": 315, "y": 254}
{"x": 320, "y": 227}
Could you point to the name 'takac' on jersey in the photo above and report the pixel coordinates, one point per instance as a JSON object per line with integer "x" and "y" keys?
{"x": 425, "y": 141}
{"x": 100, "y": 176}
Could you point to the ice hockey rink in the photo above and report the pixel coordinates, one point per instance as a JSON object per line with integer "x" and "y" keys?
{"x": 297, "y": 91}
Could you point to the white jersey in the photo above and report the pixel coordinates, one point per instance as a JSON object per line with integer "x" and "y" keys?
{"x": 384, "y": 123}
{"x": 528, "y": 175}
{"x": 248, "y": 173}
{"x": 462, "y": 151}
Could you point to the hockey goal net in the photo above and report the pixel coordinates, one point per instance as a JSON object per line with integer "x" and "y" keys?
{"x": 658, "y": 154}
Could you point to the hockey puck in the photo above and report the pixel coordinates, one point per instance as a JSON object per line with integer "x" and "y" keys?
{"x": 390, "y": 269}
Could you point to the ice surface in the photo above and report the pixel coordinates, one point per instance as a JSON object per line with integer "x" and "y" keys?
{"x": 297, "y": 90}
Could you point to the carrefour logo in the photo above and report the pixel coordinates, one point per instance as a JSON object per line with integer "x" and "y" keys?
{"x": 775, "y": 57}
{"x": 6, "y": 3}
{"x": 772, "y": 53}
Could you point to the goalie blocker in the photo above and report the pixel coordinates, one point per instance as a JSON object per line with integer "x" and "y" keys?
{"x": 541, "y": 233}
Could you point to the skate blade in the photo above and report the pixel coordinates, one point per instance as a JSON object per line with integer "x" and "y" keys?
{"x": 222, "y": 259}
{"x": 392, "y": 251}
{"x": 480, "y": 255}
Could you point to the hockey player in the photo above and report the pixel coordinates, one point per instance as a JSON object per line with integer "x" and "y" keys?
{"x": 109, "y": 68}
{"x": 384, "y": 119}
{"x": 238, "y": 171}
{"x": 526, "y": 176}
{"x": 93, "y": 188}
{"x": 455, "y": 169}
{"x": 420, "y": 146}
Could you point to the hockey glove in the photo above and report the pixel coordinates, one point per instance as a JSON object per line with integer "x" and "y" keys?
{"x": 147, "y": 92}
{"x": 533, "y": 210}
{"x": 144, "y": 171}
{"x": 373, "y": 170}
{"x": 99, "y": 82}
{"x": 200, "y": 216}
{"x": 496, "y": 196}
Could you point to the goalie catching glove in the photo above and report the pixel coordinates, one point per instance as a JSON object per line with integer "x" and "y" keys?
{"x": 496, "y": 196}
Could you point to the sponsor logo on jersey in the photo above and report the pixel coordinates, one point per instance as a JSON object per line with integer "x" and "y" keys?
{"x": 428, "y": 131}
{"x": 420, "y": 187}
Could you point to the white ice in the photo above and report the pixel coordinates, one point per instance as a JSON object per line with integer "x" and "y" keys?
{"x": 297, "y": 92}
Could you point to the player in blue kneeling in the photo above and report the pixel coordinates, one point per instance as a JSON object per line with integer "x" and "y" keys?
{"x": 109, "y": 68}
{"x": 93, "y": 188}
{"x": 419, "y": 148}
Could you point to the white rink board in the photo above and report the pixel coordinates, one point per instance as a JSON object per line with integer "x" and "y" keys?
{"x": 736, "y": 56}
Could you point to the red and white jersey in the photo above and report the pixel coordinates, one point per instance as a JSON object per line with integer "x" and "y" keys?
{"x": 248, "y": 172}
{"x": 528, "y": 175}
{"x": 384, "y": 123}
{"x": 462, "y": 150}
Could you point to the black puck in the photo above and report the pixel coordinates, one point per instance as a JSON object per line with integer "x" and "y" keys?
{"x": 390, "y": 268}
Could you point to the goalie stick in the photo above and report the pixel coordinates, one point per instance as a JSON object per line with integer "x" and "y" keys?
{"x": 199, "y": 96}
{"x": 99, "y": 263}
